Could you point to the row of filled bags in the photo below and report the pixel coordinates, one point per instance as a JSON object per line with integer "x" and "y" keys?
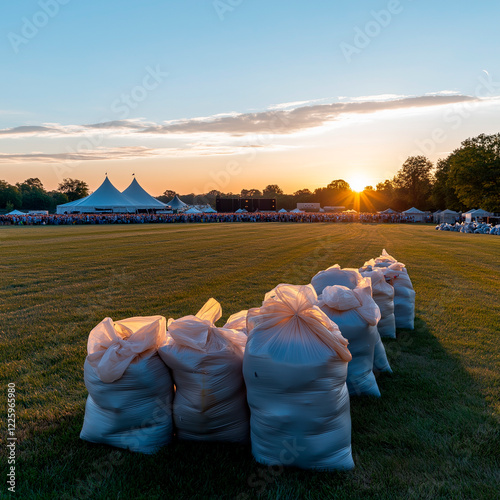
{"x": 279, "y": 375}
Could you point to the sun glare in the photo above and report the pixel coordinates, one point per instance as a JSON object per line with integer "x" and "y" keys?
{"x": 358, "y": 182}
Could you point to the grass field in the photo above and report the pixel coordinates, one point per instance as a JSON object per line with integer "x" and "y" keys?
{"x": 433, "y": 434}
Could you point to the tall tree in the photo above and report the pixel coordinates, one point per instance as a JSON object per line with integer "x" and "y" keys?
{"x": 74, "y": 189}
{"x": 443, "y": 191}
{"x": 414, "y": 181}
{"x": 474, "y": 170}
{"x": 272, "y": 190}
{"x": 250, "y": 193}
{"x": 34, "y": 196}
{"x": 9, "y": 195}
{"x": 339, "y": 185}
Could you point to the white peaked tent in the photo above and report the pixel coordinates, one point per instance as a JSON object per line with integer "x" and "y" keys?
{"x": 472, "y": 215}
{"x": 436, "y": 216}
{"x": 241, "y": 211}
{"x": 449, "y": 216}
{"x": 282, "y": 211}
{"x": 176, "y": 203}
{"x": 389, "y": 211}
{"x": 193, "y": 210}
{"x": 16, "y": 212}
{"x": 416, "y": 214}
{"x": 141, "y": 198}
{"x": 106, "y": 198}
{"x": 296, "y": 211}
{"x": 67, "y": 207}
{"x": 208, "y": 210}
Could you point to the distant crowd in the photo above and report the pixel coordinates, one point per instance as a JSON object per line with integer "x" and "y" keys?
{"x": 78, "y": 219}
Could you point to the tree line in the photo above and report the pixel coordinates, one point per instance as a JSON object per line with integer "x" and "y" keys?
{"x": 467, "y": 178}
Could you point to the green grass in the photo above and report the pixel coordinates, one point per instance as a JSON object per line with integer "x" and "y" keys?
{"x": 433, "y": 434}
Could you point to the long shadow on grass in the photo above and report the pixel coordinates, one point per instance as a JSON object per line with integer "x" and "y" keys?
{"x": 428, "y": 436}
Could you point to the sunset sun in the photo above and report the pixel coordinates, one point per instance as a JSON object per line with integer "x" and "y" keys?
{"x": 358, "y": 182}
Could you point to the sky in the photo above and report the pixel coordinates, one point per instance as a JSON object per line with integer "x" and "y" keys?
{"x": 238, "y": 94}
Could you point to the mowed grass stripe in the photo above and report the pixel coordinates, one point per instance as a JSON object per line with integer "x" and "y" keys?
{"x": 433, "y": 434}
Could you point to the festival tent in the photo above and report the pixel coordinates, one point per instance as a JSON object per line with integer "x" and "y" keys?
{"x": 141, "y": 198}
{"x": 16, "y": 212}
{"x": 106, "y": 198}
{"x": 208, "y": 210}
{"x": 193, "y": 210}
{"x": 449, "y": 216}
{"x": 472, "y": 215}
{"x": 350, "y": 211}
{"x": 436, "y": 216}
{"x": 67, "y": 207}
{"x": 416, "y": 214}
{"x": 296, "y": 211}
{"x": 241, "y": 211}
{"x": 177, "y": 204}
{"x": 389, "y": 211}
{"x": 282, "y": 211}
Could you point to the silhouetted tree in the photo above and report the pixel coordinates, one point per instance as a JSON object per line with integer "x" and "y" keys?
{"x": 474, "y": 172}
{"x": 414, "y": 182}
{"x": 74, "y": 189}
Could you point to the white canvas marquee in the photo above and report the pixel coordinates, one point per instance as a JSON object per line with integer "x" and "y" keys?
{"x": 106, "y": 198}
{"x": 416, "y": 214}
{"x": 141, "y": 198}
{"x": 474, "y": 215}
{"x": 449, "y": 216}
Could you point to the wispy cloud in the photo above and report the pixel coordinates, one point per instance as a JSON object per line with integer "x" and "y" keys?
{"x": 378, "y": 98}
{"x": 125, "y": 153}
{"x": 444, "y": 92}
{"x": 129, "y": 153}
{"x": 28, "y": 130}
{"x": 296, "y": 104}
{"x": 298, "y": 119}
{"x": 278, "y": 121}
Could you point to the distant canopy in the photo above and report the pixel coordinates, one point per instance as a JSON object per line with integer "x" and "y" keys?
{"x": 176, "y": 203}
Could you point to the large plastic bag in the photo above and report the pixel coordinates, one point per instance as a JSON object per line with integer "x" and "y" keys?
{"x": 383, "y": 295}
{"x": 335, "y": 275}
{"x": 384, "y": 260}
{"x": 238, "y": 321}
{"x": 404, "y": 295}
{"x": 351, "y": 278}
{"x": 357, "y": 315}
{"x": 130, "y": 388}
{"x": 210, "y": 399}
{"x": 295, "y": 369}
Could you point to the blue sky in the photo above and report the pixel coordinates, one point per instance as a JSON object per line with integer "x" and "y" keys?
{"x": 150, "y": 69}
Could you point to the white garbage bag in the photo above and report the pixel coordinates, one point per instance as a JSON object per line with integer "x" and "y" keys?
{"x": 383, "y": 295}
{"x": 404, "y": 295}
{"x": 237, "y": 321}
{"x": 356, "y": 315}
{"x": 351, "y": 278}
{"x": 295, "y": 369}
{"x": 335, "y": 275}
{"x": 130, "y": 388}
{"x": 384, "y": 260}
{"x": 206, "y": 362}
